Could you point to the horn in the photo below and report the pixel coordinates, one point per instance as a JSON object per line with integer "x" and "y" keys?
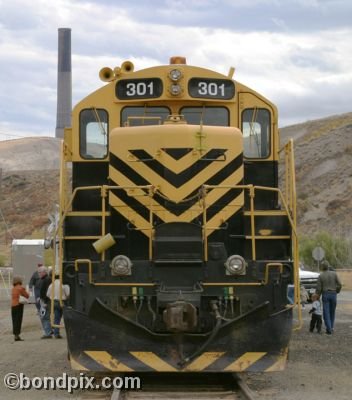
{"x": 127, "y": 66}
{"x": 106, "y": 74}
{"x": 117, "y": 71}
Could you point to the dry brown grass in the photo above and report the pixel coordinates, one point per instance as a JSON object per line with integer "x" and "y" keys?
{"x": 326, "y": 126}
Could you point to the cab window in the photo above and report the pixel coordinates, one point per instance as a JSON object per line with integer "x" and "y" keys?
{"x": 137, "y": 116}
{"x": 93, "y": 135}
{"x": 256, "y": 133}
{"x": 217, "y": 116}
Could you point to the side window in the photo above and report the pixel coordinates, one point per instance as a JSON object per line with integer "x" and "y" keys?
{"x": 137, "y": 116}
{"x": 216, "y": 116}
{"x": 93, "y": 133}
{"x": 256, "y": 132}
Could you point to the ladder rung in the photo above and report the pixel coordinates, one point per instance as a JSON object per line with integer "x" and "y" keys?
{"x": 87, "y": 214}
{"x": 82, "y": 237}
{"x": 266, "y": 213}
{"x": 269, "y": 237}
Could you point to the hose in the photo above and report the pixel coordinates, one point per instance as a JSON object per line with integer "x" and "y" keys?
{"x": 208, "y": 341}
{"x": 151, "y": 311}
{"x": 139, "y": 308}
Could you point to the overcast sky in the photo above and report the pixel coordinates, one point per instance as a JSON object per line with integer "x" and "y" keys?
{"x": 298, "y": 53}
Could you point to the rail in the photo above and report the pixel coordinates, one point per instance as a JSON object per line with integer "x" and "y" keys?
{"x": 182, "y": 386}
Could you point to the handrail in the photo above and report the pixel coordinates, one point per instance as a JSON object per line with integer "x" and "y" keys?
{"x": 290, "y": 195}
{"x": 287, "y": 200}
{"x": 81, "y": 261}
{"x": 262, "y": 283}
{"x": 252, "y": 189}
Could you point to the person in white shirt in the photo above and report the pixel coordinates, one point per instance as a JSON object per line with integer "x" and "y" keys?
{"x": 57, "y": 307}
{"x": 316, "y": 312}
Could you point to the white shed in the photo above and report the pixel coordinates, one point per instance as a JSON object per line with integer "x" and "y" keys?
{"x": 25, "y": 257}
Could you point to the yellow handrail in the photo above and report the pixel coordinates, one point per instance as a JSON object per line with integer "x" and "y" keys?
{"x": 287, "y": 200}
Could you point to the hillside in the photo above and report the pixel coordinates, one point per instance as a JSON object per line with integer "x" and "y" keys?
{"x": 34, "y": 153}
{"x": 323, "y": 152}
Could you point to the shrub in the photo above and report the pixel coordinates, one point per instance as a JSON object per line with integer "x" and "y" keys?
{"x": 2, "y": 260}
{"x": 337, "y": 249}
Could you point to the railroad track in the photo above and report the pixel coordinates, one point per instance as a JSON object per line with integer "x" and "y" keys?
{"x": 181, "y": 387}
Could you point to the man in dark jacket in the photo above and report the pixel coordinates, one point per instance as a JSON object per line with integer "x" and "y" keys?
{"x": 34, "y": 284}
{"x": 328, "y": 286}
{"x": 44, "y": 302}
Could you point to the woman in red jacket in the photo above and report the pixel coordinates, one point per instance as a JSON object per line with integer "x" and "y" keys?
{"x": 16, "y": 307}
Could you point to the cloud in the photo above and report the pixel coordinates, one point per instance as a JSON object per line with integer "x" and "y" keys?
{"x": 298, "y": 53}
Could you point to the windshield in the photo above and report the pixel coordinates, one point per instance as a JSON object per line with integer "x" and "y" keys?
{"x": 215, "y": 116}
{"x": 137, "y": 116}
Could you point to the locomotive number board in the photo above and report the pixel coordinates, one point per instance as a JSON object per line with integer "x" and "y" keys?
{"x": 148, "y": 88}
{"x": 211, "y": 88}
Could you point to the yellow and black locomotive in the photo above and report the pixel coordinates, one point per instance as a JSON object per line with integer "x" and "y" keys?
{"x": 175, "y": 238}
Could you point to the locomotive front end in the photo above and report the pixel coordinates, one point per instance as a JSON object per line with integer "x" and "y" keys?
{"x": 177, "y": 242}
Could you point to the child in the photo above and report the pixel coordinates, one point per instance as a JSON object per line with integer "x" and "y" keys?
{"x": 316, "y": 314}
{"x": 304, "y": 295}
{"x": 16, "y": 307}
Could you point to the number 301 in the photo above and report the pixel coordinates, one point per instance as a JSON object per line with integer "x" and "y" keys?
{"x": 211, "y": 89}
{"x": 139, "y": 89}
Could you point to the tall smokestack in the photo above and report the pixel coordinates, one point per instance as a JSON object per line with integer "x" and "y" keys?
{"x": 64, "y": 82}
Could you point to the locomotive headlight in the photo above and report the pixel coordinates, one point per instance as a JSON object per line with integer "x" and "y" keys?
{"x": 175, "y": 89}
{"x": 235, "y": 265}
{"x": 175, "y": 74}
{"x": 121, "y": 266}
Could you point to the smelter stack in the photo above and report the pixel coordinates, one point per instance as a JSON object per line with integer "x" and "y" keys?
{"x": 64, "y": 82}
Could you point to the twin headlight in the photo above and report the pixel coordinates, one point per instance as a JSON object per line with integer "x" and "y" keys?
{"x": 235, "y": 265}
{"x": 121, "y": 265}
{"x": 175, "y": 88}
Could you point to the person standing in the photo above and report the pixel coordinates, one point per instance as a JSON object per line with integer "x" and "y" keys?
{"x": 34, "y": 284}
{"x": 303, "y": 296}
{"x": 44, "y": 300}
{"x": 65, "y": 293}
{"x": 328, "y": 286}
{"x": 316, "y": 312}
{"x": 16, "y": 307}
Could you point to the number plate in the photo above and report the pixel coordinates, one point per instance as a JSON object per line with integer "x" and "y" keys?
{"x": 211, "y": 88}
{"x": 128, "y": 89}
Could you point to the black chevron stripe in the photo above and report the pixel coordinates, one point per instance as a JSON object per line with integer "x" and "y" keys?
{"x": 178, "y": 180}
{"x": 131, "y": 202}
{"x": 126, "y": 170}
{"x": 223, "y": 202}
{"x": 220, "y": 204}
{"x": 176, "y": 209}
{"x": 217, "y": 179}
{"x": 137, "y": 179}
{"x": 177, "y": 153}
{"x": 224, "y": 173}
{"x": 143, "y": 211}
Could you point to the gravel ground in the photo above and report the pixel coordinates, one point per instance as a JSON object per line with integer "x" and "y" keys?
{"x": 319, "y": 366}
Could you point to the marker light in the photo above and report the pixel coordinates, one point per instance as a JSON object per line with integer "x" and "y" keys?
{"x": 175, "y": 74}
{"x": 175, "y": 89}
